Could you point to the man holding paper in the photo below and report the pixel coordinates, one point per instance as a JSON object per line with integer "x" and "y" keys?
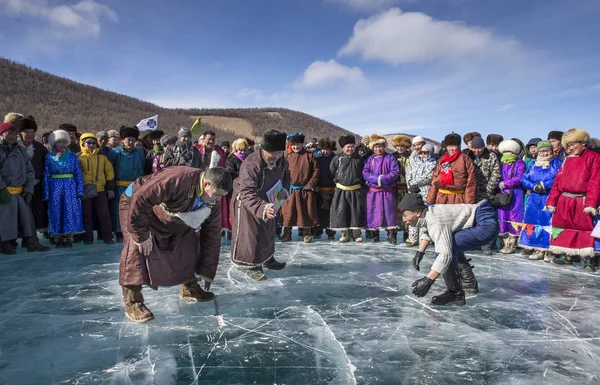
{"x": 252, "y": 212}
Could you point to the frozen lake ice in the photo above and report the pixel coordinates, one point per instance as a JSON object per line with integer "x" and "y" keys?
{"x": 338, "y": 314}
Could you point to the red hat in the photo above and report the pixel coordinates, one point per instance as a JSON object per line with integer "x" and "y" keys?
{"x": 7, "y": 126}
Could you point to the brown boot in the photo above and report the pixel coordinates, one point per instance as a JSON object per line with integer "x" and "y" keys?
{"x": 135, "y": 309}
{"x": 191, "y": 291}
{"x": 287, "y": 235}
{"x": 307, "y": 236}
{"x": 33, "y": 244}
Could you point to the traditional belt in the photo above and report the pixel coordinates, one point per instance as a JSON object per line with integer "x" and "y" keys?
{"x": 124, "y": 183}
{"x": 380, "y": 189}
{"x": 327, "y": 189}
{"x": 401, "y": 187}
{"x": 528, "y": 192}
{"x": 348, "y": 188}
{"x": 296, "y": 187}
{"x": 15, "y": 190}
{"x": 61, "y": 176}
{"x": 450, "y": 192}
{"x": 569, "y": 195}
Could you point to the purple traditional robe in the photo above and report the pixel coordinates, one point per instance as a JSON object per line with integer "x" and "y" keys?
{"x": 514, "y": 214}
{"x": 381, "y": 174}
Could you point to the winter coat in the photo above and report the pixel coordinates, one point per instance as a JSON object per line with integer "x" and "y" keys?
{"x": 577, "y": 186}
{"x": 179, "y": 252}
{"x": 301, "y": 208}
{"x": 189, "y": 153}
{"x": 253, "y": 240}
{"x": 511, "y": 216}
{"x": 37, "y": 154}
{"x": 326, "y": 189}
{"x": 89, "y": 166}
{"x": 348, "y": 202}
{"x": 465, "y": 180}
{"x": 127, "y": 166}
{"x": 420, "y": 175}
{"x": 381, "y": 174}
{"x": 535, "y": 235}
{"x": 488, "y": 174}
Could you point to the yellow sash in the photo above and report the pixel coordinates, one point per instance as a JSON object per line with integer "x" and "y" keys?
{"x": 15, "y": 190}
{"x": 327, "y": 189}
{"x": 124, "y": 183}
{"x": 450, "y": 192}
{"x": 347, "y": 188}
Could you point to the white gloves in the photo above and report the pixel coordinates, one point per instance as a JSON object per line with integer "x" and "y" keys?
{"x": 552, "y": 209}
{"x": 591, "y": 211}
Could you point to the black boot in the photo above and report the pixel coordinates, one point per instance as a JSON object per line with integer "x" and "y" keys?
{"x": 392, "y": 237}
{"x": 375, "y": 237}
{"x": 369, "y": 234}
{"x": 454, "y": 295}
{"x": 468, "y": 280}
{"x": 272, "y": 264}
{"x": 278, "y": 230}
{"x": 330, "y": 234}
{"x": 33, "y": 244}
{"x": 7, "y": 248}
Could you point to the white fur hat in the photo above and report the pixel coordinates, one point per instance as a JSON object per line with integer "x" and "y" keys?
{"x": 417, "y": 139}
{"x": 57, "y": 135}
{"x": 509, "y": 146}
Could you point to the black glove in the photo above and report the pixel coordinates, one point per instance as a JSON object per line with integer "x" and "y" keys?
{"x": 5, "y": 196}
{"x": 539, "y": 188}
{"x": 422, "y": 286}
{"x": 27, "y": 197}
{"x": 417, "y": 259}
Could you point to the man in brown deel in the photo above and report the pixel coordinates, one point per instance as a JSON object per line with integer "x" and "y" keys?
{"x": 252, "y": 214}
{"x": 171, "y": 225}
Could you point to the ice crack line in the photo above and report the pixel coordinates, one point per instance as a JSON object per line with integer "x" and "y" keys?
{"x": 207, "y": 357}
{"x": 289, "y": 262}
{"x": 422, "y": 304}
{"x": 351, "y": 367}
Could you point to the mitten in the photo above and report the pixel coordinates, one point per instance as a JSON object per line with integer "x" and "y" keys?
{"x": 28, "y": 197}
{"x": 5, "y": 196}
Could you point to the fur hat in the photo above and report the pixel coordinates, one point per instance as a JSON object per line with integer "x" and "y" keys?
{"x": 477, "y": 142}
{"x": 239, "y": 144}
{"x": 327, "y": 144}
{"x": 7, "y": 126}
{"x": 532, "y": 142}
{"x": 376, "y": 139}
{"x": 150, "y": 135}
{"x": 452, "y": 140}
{"x": 113, "y": 134}
{"x": 250, "y": 141}
{"x": 418, "y": 139}
{"x": 494, "y": 139}
{"x": 510, "y": 146}
{"x": 183, "y": 131}
{"x": 168, "y": 139}
{"x": 365, "y": 140}
{"x": 557, "y": 135}
{"x": 346, "y": 139}
{"x": 57, "y": 135}
{"x": 274, "y": 140}
{"x": 68, "y": 127}
{"x": 595, "y": 143}
{"x": 27, "y": 123}
{"x": 296, "y": 138}
{"x": 575, "y": 135}
{"x": 129, "y": 132}
{"x": 12, "y": 117}
{"x": 541, "y": 144}
{"x": 413, "y": 201}
{"x": 101, "y": 134}
{"x": 401, "y": 140}
{"x": 469, "y": 136}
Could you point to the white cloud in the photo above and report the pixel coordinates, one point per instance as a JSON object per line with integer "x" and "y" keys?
{"x": 250, "y": 93}
{"x": 321, "y": 73}
{"x": 581, "y": 91}
{"x": 398, "y": 37}
{"x": 505, "y": 107}
{"x": 369, "y": 5}
{"x": 81, "y": 19}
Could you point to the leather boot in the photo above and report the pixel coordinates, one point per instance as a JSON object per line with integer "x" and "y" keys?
{"x": 375, "y": 237}
{"x": 7, "y": 248}
{"x": 287, "y": 235}
{"x": 306, "y": 234}
{"x": 33, "y": 244}
{"x": 392, "y": 235}
{"x": 317, "y": 232}
{"x": 135, "y": 309}
{"x": 191, "y": 291}
{"x": 454, "y": 295}
{"x": 468, "y": 281}
{"x": 356, "y": 236}
{"x": 345, "y": 237}
{"x": 330, "y": 234}
{"x": 273, "y": 264}
{"x": 368, "y": 234}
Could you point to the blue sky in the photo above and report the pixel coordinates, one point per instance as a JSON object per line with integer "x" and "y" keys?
{"x": 428, "y": 67}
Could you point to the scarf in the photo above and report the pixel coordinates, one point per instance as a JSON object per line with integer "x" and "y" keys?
{"x": 544, "y": 161}
{"x": 447, "y": 176}
{"x": 86, "y": 151}
{"x": 157, "y": 149}
{"x": 509, "y": 158}
{"x": 241, "y": 157}
{"x": 169, "y": 158}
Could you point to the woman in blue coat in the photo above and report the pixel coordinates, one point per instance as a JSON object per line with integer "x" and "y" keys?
{"x": 539, "y": 179}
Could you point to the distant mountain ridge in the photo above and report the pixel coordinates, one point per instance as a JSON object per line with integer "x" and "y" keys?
{"x": 53, "y": 100}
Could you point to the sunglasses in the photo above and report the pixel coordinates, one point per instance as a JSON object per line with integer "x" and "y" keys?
{"x": 90, "y": 143}
{"x": 424, "y": 152}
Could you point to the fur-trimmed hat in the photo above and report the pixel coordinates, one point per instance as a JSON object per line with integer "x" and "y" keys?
{"x": 239, "y": 144}
{"x": 273, "y": 141}
{"x": 510, "y": 146}
{"x": 7, "y": 126}
{"x": 575, "y": 135}
{"x": 152, "y": 134}
{"x": 365, "y": 140}
{"x": 298, "y": 137}
{"x": 376, "y": 139}
{"x": 327, "y": 144}
{"x": 129, "y": 132}
{"x": 27, "y": 123}
{"x": 401, "y": 140}
{"x": 557, "y": 135}
{"x": 594, "y": 143}
{"x": 68, "y": 127}
{"x": 12, "y": 117}
{"x": 101, "y": 134}
{"x": 57, "y": 135}
{"x": 346, "y": 139}
{"x": 469, "y": 136}
{"x": 418, "y": 139}
{"x": 113, "y": 134}
{"x": 494, "y": 139}
{"x": 250, "y": 141}
{"x": 168, "y": 139}
{"x": 452, "y": 140}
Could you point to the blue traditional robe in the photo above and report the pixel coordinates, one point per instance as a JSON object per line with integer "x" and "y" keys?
{"x": 128, "y": 166}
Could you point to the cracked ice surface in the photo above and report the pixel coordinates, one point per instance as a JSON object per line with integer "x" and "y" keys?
{"x": 338, "y": 314}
